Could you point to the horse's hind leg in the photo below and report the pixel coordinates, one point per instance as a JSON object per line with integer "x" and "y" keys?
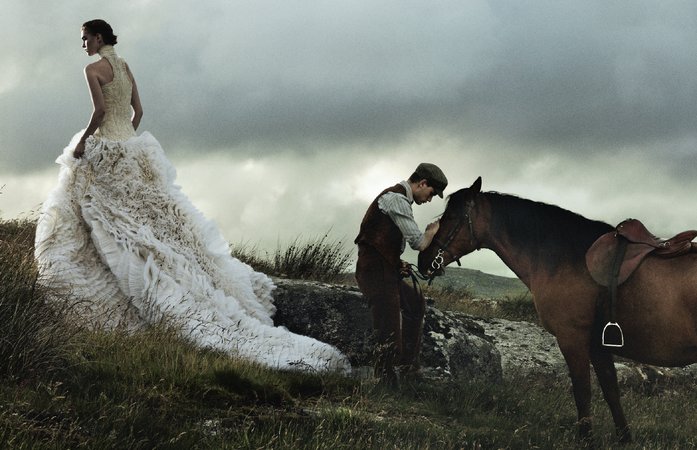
{"x": 607, "y": 377}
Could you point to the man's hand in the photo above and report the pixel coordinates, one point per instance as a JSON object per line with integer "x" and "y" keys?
{"x": 432, "y": 228}
{"x": 431, "y": 231}
{"x": 405, "y": 269}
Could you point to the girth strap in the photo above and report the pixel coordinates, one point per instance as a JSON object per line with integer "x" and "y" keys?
{"x": 612, "y": 335}
{"x": 614, "y": 280}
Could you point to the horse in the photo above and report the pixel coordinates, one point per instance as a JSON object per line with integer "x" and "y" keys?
{"x": 545, "y": 246}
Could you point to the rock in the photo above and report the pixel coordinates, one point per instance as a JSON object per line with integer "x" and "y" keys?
{"x": 453, "y": 344}
{"x": 334, "y": 314}
{"x": 525, "y": 348}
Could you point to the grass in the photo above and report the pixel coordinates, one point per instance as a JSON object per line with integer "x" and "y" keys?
{"x": 67, "y": 387}
{"x": 320, "y": 258}
{"x": 187, "y": 399}
{"x": 34, "y": 338}
{"x": 449, "y": 298}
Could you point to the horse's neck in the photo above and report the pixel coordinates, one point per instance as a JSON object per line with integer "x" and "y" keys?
{"x": 519, "y": 261}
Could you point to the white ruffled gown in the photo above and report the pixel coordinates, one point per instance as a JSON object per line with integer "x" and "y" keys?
{"x": 119, "y": 233}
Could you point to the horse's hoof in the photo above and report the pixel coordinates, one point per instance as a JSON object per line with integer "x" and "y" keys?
{"x": 585, "y": 433}
{"x": 624, "y": 435}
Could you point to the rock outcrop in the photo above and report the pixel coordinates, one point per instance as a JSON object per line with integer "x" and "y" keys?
{"x": 525, "y": 348}
{"x": 455, "y": 344}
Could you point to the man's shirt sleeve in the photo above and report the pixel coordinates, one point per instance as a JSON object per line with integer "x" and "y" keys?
{"x": 398, "y": 208}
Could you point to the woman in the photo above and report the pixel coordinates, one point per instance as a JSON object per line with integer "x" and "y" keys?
{"x": 117, "y": 232}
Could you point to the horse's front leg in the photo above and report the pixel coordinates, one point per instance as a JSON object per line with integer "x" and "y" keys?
{"x": 577, "y": 358}
{"x": 607, "y": 377}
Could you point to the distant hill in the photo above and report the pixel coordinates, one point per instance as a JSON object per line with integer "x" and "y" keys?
{"x": 480, "y": 284}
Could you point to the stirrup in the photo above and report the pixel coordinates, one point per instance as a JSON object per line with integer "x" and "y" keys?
{"x": 612, "y": 335}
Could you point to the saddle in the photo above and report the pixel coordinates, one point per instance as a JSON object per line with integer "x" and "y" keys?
{"x": 640, "y": 243}
{"x": 614, "y": 256}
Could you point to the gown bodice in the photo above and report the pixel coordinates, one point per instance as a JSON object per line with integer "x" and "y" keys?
{"x": 116, "y": 124}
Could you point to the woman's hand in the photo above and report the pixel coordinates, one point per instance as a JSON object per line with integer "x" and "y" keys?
{"x": 79, "y": 150}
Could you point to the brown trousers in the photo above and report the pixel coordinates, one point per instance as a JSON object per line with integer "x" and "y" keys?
{"x": 398, "y": 312}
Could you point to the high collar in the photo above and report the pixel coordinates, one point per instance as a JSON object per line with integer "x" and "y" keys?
{"x": 106, "y": 50}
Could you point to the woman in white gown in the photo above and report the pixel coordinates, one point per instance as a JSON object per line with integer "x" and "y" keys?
{"x": 118, "y": 233}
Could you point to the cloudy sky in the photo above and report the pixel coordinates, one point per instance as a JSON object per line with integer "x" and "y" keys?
{"x": 285, "y": 118}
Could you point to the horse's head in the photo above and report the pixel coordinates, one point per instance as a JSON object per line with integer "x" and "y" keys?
{"x": 455, "y": 237}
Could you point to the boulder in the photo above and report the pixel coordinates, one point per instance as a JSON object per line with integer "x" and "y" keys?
{"x": 454, "y": 345}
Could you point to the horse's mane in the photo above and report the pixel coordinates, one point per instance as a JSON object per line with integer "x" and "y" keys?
{"x": 555, "y": 235}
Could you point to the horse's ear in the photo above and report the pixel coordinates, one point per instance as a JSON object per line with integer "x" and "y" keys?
{"x": 476, "y": 187}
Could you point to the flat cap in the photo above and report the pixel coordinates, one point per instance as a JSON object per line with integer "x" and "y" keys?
{"x": 434, "y": 176}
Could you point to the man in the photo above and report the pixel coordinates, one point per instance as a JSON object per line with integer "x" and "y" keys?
{"x": 397, "y": 308}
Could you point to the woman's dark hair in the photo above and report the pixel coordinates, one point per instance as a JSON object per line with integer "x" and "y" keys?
{"x": 99, "y": 26}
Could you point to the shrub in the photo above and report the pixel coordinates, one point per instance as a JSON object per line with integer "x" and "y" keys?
{"x": 249, "y": 254}
{"x": 518, "y": 308}
{"x": 320, "y": 259}
{"x": 449, "y": 298}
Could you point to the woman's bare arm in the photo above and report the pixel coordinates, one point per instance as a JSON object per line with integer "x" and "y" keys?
{"x": 98, "y": 108}
{"x": 135, "y": 101}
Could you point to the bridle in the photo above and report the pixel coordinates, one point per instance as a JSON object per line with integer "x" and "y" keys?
{"x": 437, "y": 263}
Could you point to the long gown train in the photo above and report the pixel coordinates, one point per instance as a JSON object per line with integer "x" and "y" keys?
{"x": 119, "y": 233}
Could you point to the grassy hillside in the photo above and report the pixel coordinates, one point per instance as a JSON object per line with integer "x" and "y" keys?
{"x": 480, "y": 284}
{"x": 64, "y": 386}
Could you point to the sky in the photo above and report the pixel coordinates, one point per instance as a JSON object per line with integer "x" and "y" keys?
{"x": 286, "y": 118}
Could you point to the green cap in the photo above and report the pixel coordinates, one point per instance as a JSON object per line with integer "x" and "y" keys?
{"x": 434, "y": 176}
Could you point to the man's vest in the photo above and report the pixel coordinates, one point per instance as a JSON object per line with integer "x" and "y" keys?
{"x": 380, "y": 232}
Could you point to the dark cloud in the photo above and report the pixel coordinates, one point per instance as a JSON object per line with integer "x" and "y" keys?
{"x": 532, "y": 95}
{"x": 307, "y": 75}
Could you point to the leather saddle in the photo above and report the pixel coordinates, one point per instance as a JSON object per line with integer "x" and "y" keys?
{"x": 631, "y": 238}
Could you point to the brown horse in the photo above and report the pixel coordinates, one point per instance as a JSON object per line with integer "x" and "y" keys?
{"x": 545, "y": 246}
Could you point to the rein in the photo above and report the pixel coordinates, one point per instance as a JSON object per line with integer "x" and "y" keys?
{"x": 416, "y": 276}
